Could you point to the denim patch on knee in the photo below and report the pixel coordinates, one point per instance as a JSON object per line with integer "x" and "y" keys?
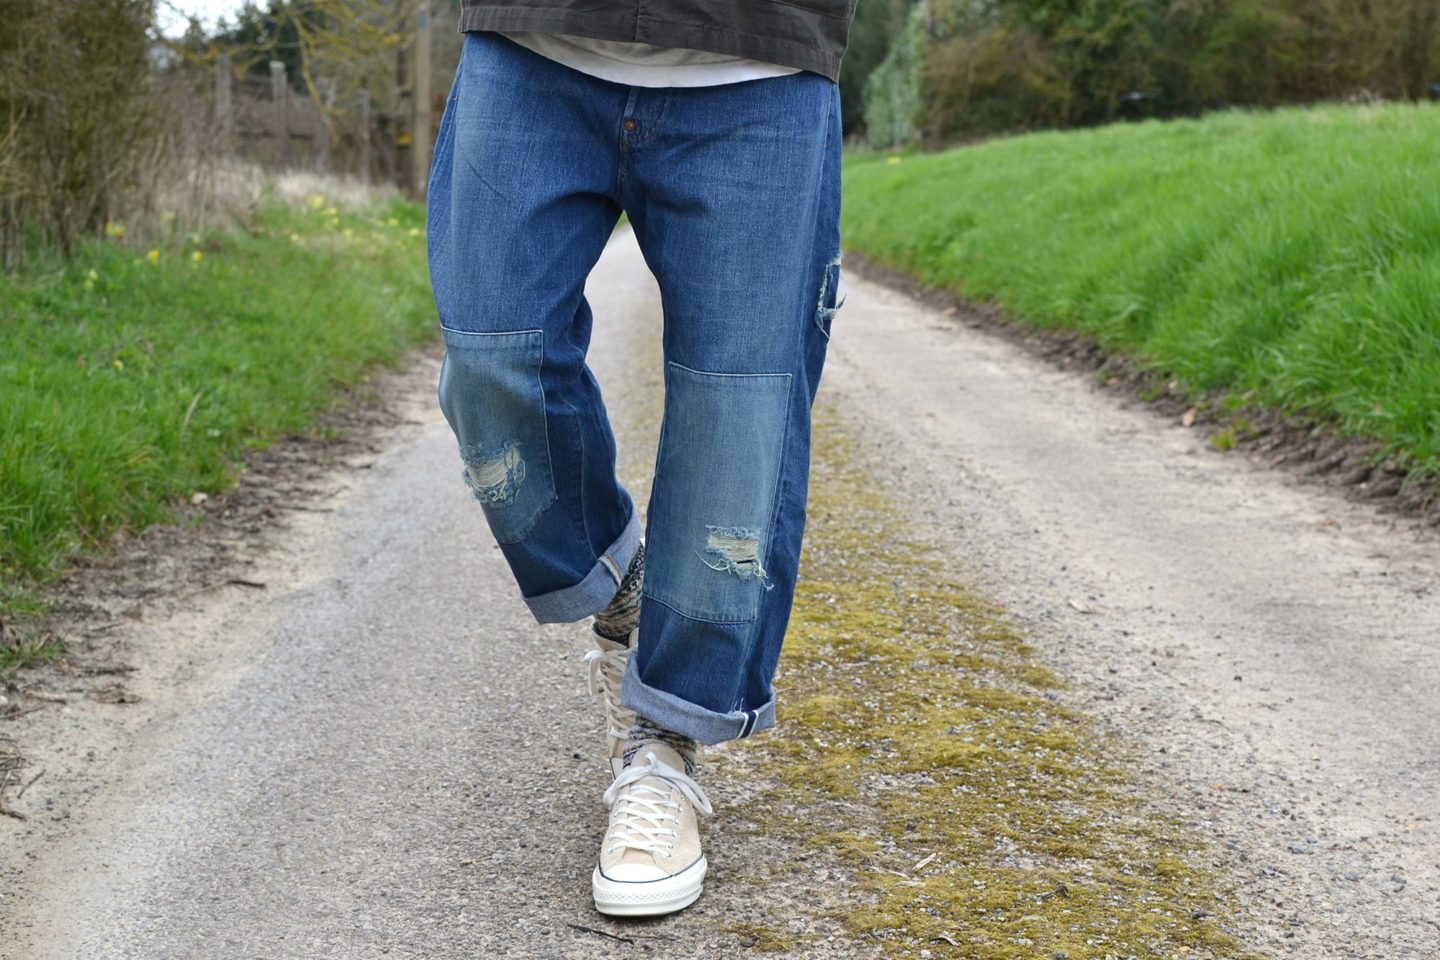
{"x": 713, "y": 502}
{"x": 490, "y": 392}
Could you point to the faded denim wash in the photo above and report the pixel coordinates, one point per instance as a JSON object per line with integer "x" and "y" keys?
{"x": 733, "y": 192}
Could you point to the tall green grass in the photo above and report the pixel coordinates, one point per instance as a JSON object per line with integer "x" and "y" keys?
{"x": 130, "y": 377}
{"x": 1289, "y": 259}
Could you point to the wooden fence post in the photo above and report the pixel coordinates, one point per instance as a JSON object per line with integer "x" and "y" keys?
{"x": 420, "y": 102}
{"x": 404, "y": 132}
{"x": 327, "y": 113}
{"x": 363, "y": 139}
{"x": 281, "y": 117}
{"x": 225, "y": 101}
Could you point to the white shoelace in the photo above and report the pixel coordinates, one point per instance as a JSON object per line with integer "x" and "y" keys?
{"x": 642, "y": 814}
{"x": 607, "y": 673}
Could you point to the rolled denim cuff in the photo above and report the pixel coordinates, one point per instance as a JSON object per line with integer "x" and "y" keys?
{"x": 592, "y": 594}
{"x": 684, "y": 717}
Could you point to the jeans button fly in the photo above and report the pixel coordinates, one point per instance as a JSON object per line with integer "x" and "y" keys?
{"x": 629, "y": 123}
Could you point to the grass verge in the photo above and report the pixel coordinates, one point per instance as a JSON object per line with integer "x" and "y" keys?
{"x": 1287, "y": 260}
{"x": 923, "y": 745}
{"x": 134, "y": 377}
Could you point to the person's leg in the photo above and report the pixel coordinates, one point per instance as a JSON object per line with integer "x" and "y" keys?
{"x": 734, "y": 193}
{"x": 522, "y": 201}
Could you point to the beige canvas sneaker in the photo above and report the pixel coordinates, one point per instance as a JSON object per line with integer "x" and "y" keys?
{"x": 607, "y": 672}
{"x": 650, "y": 860}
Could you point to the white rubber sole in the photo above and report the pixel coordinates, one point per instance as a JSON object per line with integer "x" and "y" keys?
{"x": 617, "y": 898}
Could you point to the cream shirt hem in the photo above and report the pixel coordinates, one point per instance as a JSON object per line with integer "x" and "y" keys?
{"x": 646, "y": 65}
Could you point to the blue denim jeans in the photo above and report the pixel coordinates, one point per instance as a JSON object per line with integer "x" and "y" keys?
{"x": 733, "y": 192}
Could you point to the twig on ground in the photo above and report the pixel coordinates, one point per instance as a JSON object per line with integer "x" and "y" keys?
{"x": 106, "y": 669}
{"x": 114, "y": 694}
{"x": 601, "y": 933}
{"x": 5, "y": 776}
{"x": 29, "y": 784}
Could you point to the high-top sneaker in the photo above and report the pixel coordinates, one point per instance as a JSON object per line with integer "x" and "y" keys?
{"x": 614, "y": 633}
{"x": 607, "y": 671}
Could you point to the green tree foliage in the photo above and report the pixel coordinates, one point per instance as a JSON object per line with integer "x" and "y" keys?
{"x": 1007, "y": 65}
{"x": 892, "y": 106}
{"x": 871, "y": 33}
{"x": 331, "y": 49}
{"x": 260, "y": 35}
{"x": 342, "y": 40}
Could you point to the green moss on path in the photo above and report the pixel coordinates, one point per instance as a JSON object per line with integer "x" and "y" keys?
{"x": 927, "y": 749}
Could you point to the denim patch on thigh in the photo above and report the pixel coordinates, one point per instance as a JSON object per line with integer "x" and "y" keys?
{"x": 490, "y": 392}
{"x": 712, "y": 506}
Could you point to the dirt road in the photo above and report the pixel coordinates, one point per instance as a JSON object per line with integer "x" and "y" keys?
{"x": 360, "y": 760}
{"x": 1273, "y": 651}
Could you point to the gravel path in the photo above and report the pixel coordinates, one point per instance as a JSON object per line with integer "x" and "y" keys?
{"x": 1272, "y": 653}
{"x": 379, "y": 755}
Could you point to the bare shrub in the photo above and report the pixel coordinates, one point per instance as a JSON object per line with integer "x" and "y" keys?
{"x": 997, "y": 80}
{"x": 76, "y": 117}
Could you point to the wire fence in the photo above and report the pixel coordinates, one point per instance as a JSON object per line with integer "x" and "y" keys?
{"x": 266, "y": 121}
{"x": 105, "y": 132}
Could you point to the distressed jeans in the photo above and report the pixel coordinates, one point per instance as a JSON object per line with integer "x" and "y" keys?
{"x": 733, "y": 193}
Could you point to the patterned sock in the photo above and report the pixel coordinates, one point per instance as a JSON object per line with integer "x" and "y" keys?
{"x": 615, "y": 622}
{"x": 646, "y": 732}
